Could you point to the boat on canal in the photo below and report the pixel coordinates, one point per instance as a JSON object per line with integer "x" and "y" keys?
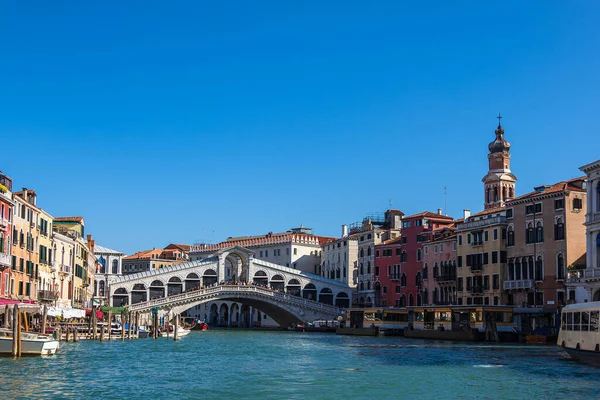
{"x": 32, "y": 343}
{"x": 578, "y": 334}
{"x": 180, "y": 331}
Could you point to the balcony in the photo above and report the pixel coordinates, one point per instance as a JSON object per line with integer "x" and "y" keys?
{"x": 476, "y": 268}
{"x": 482, "y": 223}
{"x": 65, "y": 269}
{"x": 45, "y": 295}
{"x": 5, "y": 261}
{"x": 592, "y": 217}
{"x": 591, "y": 273}
{"x": 478, "y": 243}
{"x": 475, "y": 289}
{"x": 445, "y": 278}
{"x": 3, "y": 224}
{"x": 520, "y": 284}
{"x": 395, "y": 277}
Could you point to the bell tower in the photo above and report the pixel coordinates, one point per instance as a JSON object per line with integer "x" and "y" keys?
{"x": 499, "y": 183}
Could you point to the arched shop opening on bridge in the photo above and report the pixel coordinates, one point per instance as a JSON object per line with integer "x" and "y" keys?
{"x": 277, "y": 283}
{"x": 261, "y": 278}
{"x": 192, "y": 282}
{"x": 139, "y": 293}
{"x": 326, "y": 296}
{"x": 310, "y": 292}
{"x": 120, "y": 297}
{"x": 157, "y": 290}
{"x": 174, "y": 286}
{"x": 209, "y": 277}
{"x": 294, "y": 287}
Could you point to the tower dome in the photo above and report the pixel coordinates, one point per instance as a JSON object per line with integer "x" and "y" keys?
{"x": 499, "y": 144}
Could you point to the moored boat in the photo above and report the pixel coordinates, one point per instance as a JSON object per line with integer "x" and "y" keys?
{"x": 32, "y": 343}
{"x": 180, "y": 332}
{"x": 579, "y": 332}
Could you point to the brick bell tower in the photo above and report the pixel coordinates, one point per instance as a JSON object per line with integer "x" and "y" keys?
{"x": 499, "y": 183}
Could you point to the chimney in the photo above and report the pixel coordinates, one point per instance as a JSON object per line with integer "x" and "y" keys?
{"x": 466, "y": 214}
{"x": 344, "y": 230}
{"x": 439, "y": 211}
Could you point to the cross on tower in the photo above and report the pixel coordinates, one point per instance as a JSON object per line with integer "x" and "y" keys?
{"x": 499, "y": 118}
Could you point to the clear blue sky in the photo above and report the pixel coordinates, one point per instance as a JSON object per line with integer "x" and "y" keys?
{"x": 194, "y": 121}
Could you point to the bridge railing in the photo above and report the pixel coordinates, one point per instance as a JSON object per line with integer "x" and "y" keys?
{"x": 284, "y": 297}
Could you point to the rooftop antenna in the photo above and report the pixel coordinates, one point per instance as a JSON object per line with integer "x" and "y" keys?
{"x": 445, "y": 195}
{"x": 390, "y": 201}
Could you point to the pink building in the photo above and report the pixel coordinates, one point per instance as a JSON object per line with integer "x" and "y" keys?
{"x": 6, "y": 206}
{"x": 439, "y": 268}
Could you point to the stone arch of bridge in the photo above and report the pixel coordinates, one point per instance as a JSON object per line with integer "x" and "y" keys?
{"x": 235, "y": 263}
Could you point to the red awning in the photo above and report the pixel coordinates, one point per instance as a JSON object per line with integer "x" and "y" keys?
{"x": 99, "y": 314}
{"x": 7, "y": 302}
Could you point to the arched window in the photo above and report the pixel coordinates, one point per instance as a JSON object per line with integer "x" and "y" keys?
{"x": 560, "y": 267}
{"x": 435, "y": 270}
{"x": 539, "y": 269}
{"x": 403, "y": 279}
{"x": 115, "y": 267}
{"x": 369, "y": 251}
{"x": 598, "y": 251}
{"x": 503, "y": 192}
{"x": 362, "y": 269}
{"x": 487, "y": 195}
{"x": 511, "y": 192}
{"x": 529, "y": 234}
{"x": 362, "y": 252}
{"x": 495, "y": 193}
{"x": 539, "y": 233}
{"x": 510, "y": 236}
{"x": 418, "y": 254}
{"x": 425, "y": 271}
{"x": 559, "y": 229}
{"x": 403, "y": 256}
{"x": 511, "y": 270}
{"x": 101, "y": 288}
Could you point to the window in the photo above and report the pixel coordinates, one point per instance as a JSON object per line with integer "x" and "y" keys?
{"x": 406, "y": 224}
{"x": 376, "y": 271}
{"x": 496, "y": 281}
{"x": 559, "y": 229}
{"x": 418, "y": 254}
{"x": 485, "y": 236}
{"x": 577, "y": 204}
{"x": 468, "y": 238}
{"x": 510, "y": 236}
{"x": 529, "y": 233}
{"x": 460, "y": 284}
{"x": 560, "y": 267}
{"x": 459, "y": 258}
{"x": 495, "y": 234}
{"x": 539, "y": 233}
{"x": 509, "y": 213}
{"x": 539, "y": 269}
{"x": 376, "y": 253}
{"x": 460, "y": 240}
{"x": 559, "y": 204}
{"x": 494, "y": 257}
{"x": 295, "y": 251}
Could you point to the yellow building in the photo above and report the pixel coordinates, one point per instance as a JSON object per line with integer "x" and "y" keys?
{"x": 46, "y": 279}
{"x": 25, "y": 260}
{"x": 82, "y": 264}
{"x": 63, "y": 250}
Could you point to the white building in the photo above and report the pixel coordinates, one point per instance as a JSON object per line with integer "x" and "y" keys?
{"x": 339, "y": 259}
{"x": 591, "y": 274}
{"x": 110, "y": 263}
{"x": 298, "y": 249}
{"x": 63, "y": 250}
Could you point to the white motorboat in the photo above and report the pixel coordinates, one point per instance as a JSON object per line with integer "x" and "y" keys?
{"x": 180, "y": 332}
{"x": 32, "y": 344}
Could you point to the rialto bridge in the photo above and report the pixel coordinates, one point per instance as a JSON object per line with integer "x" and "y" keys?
{"x": 233, "y": 275}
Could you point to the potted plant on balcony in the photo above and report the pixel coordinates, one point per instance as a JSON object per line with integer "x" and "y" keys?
{"x": 574, "y": 270}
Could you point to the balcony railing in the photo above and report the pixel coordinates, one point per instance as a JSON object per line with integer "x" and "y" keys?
{"x": 478, "y": 243}
{"x": 476, "y": 289}
{"x": 593, "y": 217}
{"x": 5, "y": 260}
{"x": 445, "y": 278}
{"x": 66, "y": 269}
{"x": 45, "y": 295}
{"x": 476, "y": 268}
{"x": 481, "y": 223}
{"x": 591, "y": 273}
{"x": 395, "y": 277}
{"x": 520, "y": 284}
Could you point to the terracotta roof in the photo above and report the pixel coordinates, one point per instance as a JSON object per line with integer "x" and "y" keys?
{"x": 144, "y": 254}
{"x": 556, "y": 188}
{"x": 389, "y": 241}
{"x": 184, "y": 247}
{"x": 429, "y": 215}
{"x": 68, "y": 219}
{"x": 488, "y": 211}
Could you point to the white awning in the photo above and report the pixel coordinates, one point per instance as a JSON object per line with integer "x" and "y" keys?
{"x": 65, "y": 312}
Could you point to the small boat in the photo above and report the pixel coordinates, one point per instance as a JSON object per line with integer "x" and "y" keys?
{"x": 143, "y": 333}
{"x": 200, "y": 326}
{"x": 32, "y": 343}
{"x": 180, "y": 332}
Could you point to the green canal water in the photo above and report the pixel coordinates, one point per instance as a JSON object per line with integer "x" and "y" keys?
{"x": 222, "y": 364}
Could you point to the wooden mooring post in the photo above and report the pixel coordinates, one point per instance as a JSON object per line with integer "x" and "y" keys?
{"x": 15, "y": 329}
{"x": 176, "y": 328}
{"x": 108, "y": 325}
{"x": 19, "y": 334}
{"x": 129, "y": 330}
{"x": 123, "y": 320}
{"x": 6, "y": 316}
{"x": 44, "y": 318}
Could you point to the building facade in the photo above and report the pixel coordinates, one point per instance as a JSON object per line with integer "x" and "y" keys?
{"x": 63, "y": 253}
{"x": 298, "y": 249}
{"x": 387, "y": 275}
{"x": 545, "y": 235}
{"x": 373, "y": 230}
{"x": 416, "y": 230}
{"x": 24, "y": 271}
{"x": 440, "y": 268}
{"x": 46, "y": 273}
{"x": 6, "y": 230}
{"x": 339, "y": 259}
{"x": 109, "y": 264}
{"x": 590, "y": 276}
